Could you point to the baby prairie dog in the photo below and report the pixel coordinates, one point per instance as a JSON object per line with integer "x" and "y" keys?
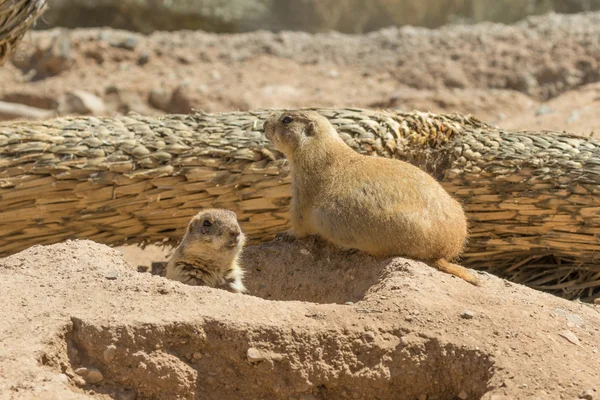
{"x": 209, "y": 252}
{"x": 381, "y": 206}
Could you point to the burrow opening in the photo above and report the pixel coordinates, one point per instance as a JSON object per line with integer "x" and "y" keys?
{"x": 211, "y": 360}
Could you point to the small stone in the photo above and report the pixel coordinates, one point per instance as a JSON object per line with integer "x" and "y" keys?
{"x": 463, "y": 395}
{"x": 128, "y": 44}
{"x": 254, "y": 355}
{"x": 142, "y": 268}
{"x": 81, "y": 371}
{"x": 597, "y": 301}
{"x": 83, "y": 102}
{"x": 588, "y": 394}
{"x": 196, "y": 356}
{"x": 143, "y": 58}
{"x": 94, "y": 376}
{"x": 304, "y": 252}
{"x": 333, "y": 74}
{"x": 368, "y": 336}
{"x": 109, "y": 353}
{"x": 348, "y": 303}
{"x": 62, "y": 378}
{"x": 112, "y": 275}
{"x": 570, "y": 336}
{"x": 467, "y": 314}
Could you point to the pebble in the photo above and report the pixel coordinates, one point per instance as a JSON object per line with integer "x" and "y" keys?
{"x": 112, "y": 275}
{"x": 83, "y": 102}
{"x": 467, "y": 314}
{"x": 62, "y": 378}
{"x": 142, "y": 268}
{"x": 588, "y": 394}
{"x": 109, "y": 353}
{"x": 348, "y": 303}
{"x": 463, "y": 395}
{"x": 254, "y": 355}
{"x": 304, "y": 252}
{"x": 81, "y": 371}
{"x": 368, "y": 336}
{"x": 570, "y": 336}
{"x": 94, "y": 376}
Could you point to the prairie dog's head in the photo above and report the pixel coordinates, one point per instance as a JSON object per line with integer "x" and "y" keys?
{"x": 213, "y": 231}
{"x": 294, "y": 131}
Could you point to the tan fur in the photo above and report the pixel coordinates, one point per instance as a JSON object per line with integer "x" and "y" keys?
{"x": 209, "y": 255}
{"x": 381, "y": 206}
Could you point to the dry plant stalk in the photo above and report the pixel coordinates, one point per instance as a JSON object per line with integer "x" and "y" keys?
{"x": 16, "y": 18}
{"x": 531, "y": 197}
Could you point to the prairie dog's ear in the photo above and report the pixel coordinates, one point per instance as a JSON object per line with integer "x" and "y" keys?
{"x": 311, "y": 129}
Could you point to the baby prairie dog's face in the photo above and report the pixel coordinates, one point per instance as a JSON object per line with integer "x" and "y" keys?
{"x": 215, "y": 229}
{"x": 292, "y": 131}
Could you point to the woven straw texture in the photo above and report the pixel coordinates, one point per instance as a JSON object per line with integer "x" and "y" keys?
{"x": 16, "y": 18}
{"x": 531, "y": 197}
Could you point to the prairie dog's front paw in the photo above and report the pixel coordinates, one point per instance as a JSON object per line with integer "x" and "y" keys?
{"x": 287, "y": 236}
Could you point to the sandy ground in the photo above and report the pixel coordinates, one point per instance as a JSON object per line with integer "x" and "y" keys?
{"x": 76, "y": 310}
{"x": 80, "y": 323}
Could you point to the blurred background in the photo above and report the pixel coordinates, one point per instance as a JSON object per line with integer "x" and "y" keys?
{"x": 527, "y": 64}
{"x": 523, "y": 64}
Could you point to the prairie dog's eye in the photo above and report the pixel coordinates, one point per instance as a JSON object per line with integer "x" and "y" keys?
{"x": 287, "y": 119}
{"x": 207, "y": 223}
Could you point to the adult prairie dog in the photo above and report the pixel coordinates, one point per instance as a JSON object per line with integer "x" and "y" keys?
{"x": 381, "y": 206}
{"x": 209, "y": 252}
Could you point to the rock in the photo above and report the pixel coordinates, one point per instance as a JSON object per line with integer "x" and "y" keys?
{"x": 62, "y": 378}
{"x": 49, "y": 61}
{"x": 570, "y": 336}
{"x": 254, "y": 355}
{"x": 128, "y": 44}
{"x": 14, "y": 111}
{"x": 85, "y": 103}
{"x": 143, "y": 59}
{"x": 159, "y": 98}
{"x": 368, "y": 336}
{"x": 142, "y": 268}
{"x": 94, "y": 376}
{"x": 589, "y": 394}
{"x": 33, "y": 99}
{"x": 81, "y": 371}
{"x": 111, "y": 275}
{"x": 109, "y": 353}
{"x": 349, "y": 303}
{"x": 463, "y": 395}
{"x": 467, "y": 314}
{"x": 304, "y": 252}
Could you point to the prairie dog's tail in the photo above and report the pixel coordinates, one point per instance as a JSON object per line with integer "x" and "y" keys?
{"x": 456, "y": 270}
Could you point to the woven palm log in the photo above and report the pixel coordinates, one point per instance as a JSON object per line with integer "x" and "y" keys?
{"x": 531, "y": 197}
{"x": 16, "y": 18}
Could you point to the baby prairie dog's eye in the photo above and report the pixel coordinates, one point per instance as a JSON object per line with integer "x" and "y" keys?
{"x": 287, "y": 119}
{"x": 207, "y": 223}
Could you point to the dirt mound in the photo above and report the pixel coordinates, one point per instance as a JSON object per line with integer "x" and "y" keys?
{"x": 79, "y": 322}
